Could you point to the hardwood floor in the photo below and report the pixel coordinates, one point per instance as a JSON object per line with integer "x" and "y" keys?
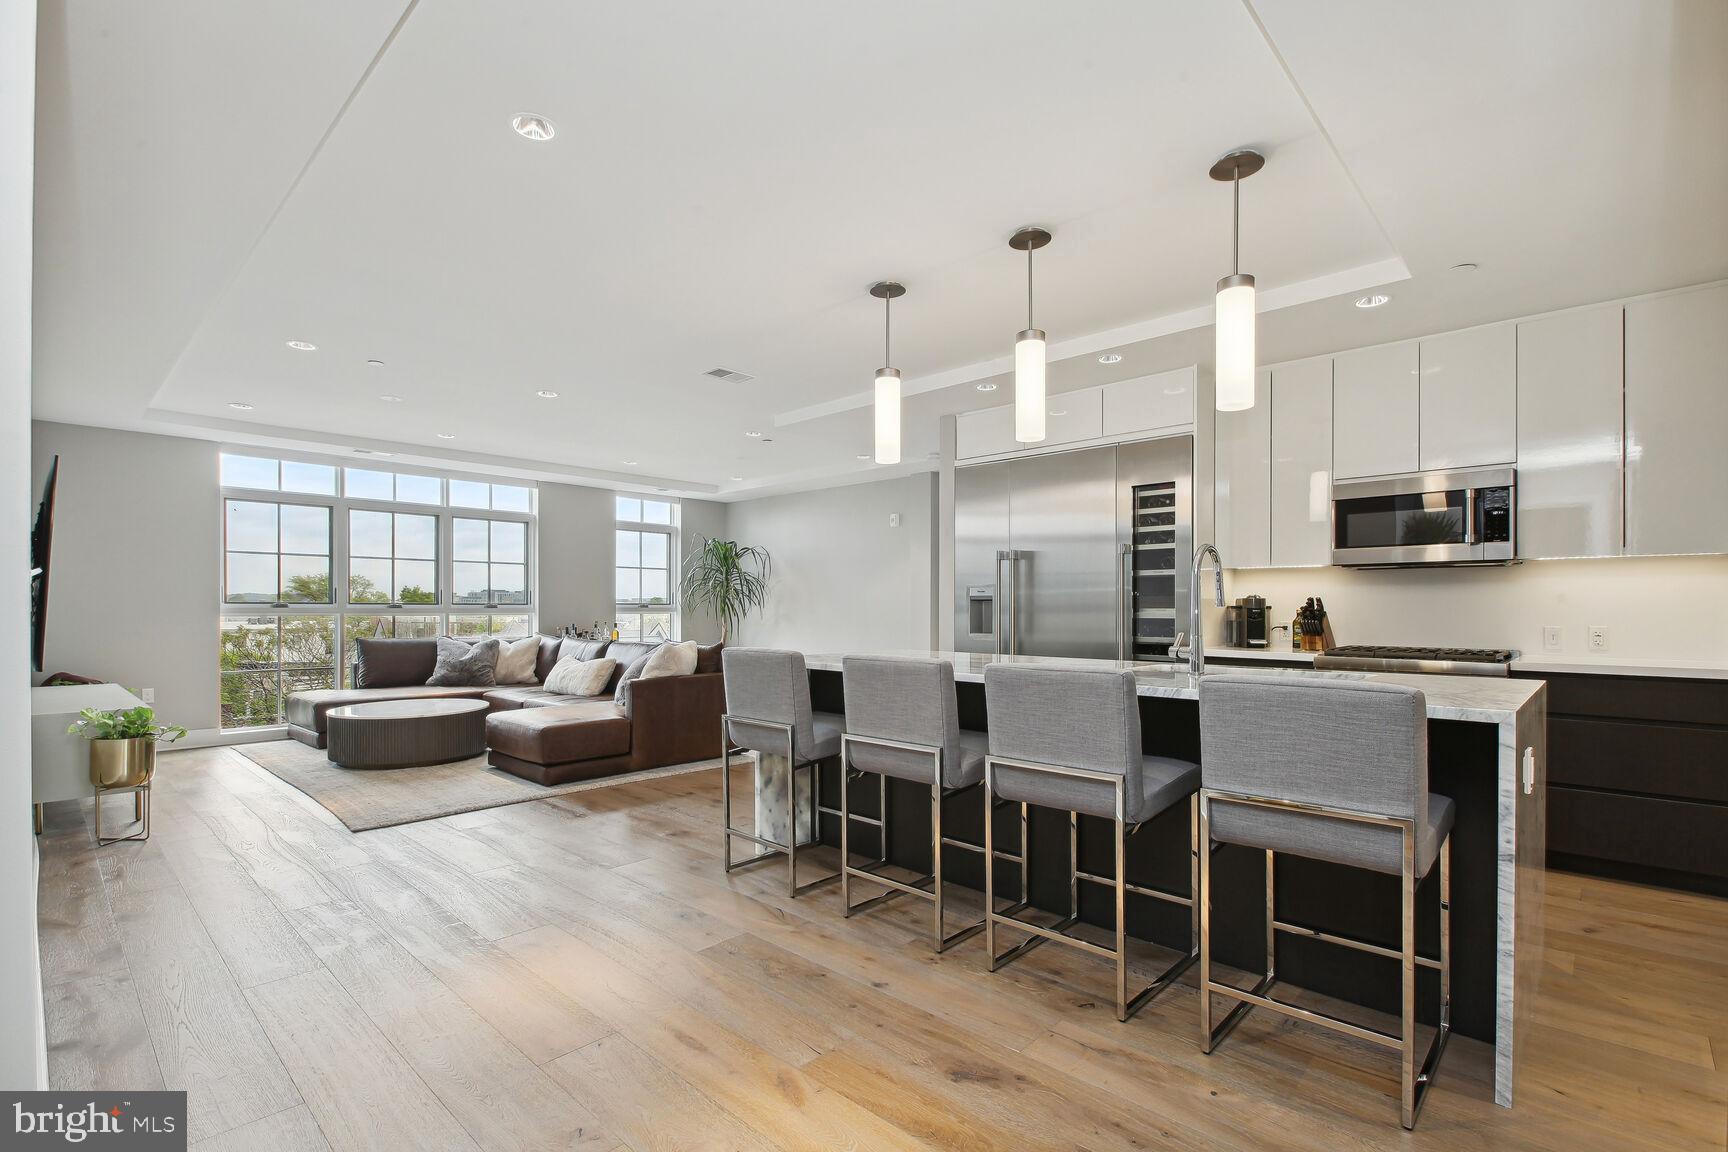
{"x": 578, "y": 972}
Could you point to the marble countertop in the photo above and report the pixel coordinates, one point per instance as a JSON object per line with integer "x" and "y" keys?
{"x": 1480, "y": 699}
{"x": 1682, "y": 669}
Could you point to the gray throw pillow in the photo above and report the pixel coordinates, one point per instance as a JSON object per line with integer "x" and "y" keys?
{"x": 463, "y": 665}
{"x": 621, "y": 694}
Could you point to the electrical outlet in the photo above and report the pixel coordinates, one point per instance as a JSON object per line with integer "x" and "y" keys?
{"x": 1598, "y": 638}
{"x": 148, "y": 695}
{"x": 1553, "y": 638}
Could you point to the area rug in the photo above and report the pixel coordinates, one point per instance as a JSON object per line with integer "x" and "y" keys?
{"x": 383, "y": 797}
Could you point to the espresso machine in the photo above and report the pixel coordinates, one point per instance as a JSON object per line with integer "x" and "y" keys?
{"x": 1255, "y": 627}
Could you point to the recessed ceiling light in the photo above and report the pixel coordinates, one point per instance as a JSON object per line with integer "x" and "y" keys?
{"x": 241, "y": 405}
{"x": 863, "y": 456}
{"x": 370, "y": 452}
{"x": 737, "y": 477}
{"x": 1058, "y": 411}
{"x": 532, "y": 127}
{"x": 1467, "y": 266}
{"x": 1175, "y": 391}
{"x": 374, "y": 363}
{"x": 754, "y": 435}
{"x": 302, "y": 346}
{"x": 1372, "y": 300}
{"x": 1110, "y": 358}
{"x": 391, "y": 399}
{"x": 630, "y": 463}
{"x": 546, "y": 394}
{"x": 986, "y": 387}
{"x": 446, "y": 435}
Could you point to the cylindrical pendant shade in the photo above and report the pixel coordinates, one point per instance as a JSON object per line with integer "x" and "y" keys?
{"x": 1029, "y": 397}
{"x": 1233, "y": 362}
{"x": 888, "y": 416}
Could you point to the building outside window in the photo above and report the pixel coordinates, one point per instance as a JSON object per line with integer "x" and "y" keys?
{"x": 412, "y": 554}
{"x": 645, "y": 568}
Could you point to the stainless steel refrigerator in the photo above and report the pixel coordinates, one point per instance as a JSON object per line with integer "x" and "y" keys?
{"x": 1081, "y": 553}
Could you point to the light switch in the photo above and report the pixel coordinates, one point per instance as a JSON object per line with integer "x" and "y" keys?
{"x": 1553, "y": 638}
{"x": 893, "y": 519}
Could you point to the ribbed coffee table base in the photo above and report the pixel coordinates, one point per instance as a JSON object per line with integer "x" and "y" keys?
{"x": 406, "y": 733}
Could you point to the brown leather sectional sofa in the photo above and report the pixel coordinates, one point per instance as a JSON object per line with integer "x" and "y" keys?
{"x": 536, "y": 734}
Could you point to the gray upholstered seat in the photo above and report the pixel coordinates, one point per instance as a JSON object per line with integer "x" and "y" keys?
{"x": 909, "y": 701}
{"x": 1354, "y": 746}
{"x": 1076, "y": 718}
{"x": 768, "y": 690}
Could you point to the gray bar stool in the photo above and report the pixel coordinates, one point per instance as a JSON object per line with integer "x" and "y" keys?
{"x": 768, "y": 712}
{"x": 1070, "y": 739}
{"x": 1336, "y": 771}
{"x": 902, "y": 721}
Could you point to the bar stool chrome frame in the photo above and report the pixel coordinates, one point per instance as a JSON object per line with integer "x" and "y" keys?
{"x": 940, "y": 940}
{"x": 1238, "y": 762}
{"x": 1039, "y": 934}
{"x": 774, "y": 848}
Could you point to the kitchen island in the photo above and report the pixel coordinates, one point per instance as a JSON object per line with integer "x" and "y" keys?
{"x": 1487, "y": 751}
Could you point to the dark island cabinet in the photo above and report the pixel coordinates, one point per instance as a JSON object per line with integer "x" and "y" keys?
{"x": 1638, "y": 778}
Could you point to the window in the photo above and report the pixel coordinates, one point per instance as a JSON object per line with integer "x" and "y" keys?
{"x": 496, "y": 497}
{"x": 297, "y": 531}
{"x": 644, "y": 568}
{"x": 489, "y": 561}
{"x": 392, "y": 558}
{"x": 276, "y": 553}
{"x": 264, "y": 658}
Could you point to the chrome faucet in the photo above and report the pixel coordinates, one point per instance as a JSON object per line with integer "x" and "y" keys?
{"x": 1196, "y": 645}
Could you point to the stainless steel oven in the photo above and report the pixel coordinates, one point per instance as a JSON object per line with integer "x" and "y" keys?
{"x": 1468, "y": 517}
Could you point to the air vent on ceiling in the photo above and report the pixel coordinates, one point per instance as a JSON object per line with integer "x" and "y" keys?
{"x": 729, "y": 375}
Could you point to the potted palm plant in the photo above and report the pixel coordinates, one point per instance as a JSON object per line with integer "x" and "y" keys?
{"x": 728, "y": 579}
{"x": 123, "y": 744}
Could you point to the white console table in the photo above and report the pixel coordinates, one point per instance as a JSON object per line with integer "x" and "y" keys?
{"x": 59, "y": 760}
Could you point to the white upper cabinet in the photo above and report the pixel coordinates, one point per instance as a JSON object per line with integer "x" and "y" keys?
{"x": 1163, "y": 400}
{"x": 984, "y": 433}
{"x": 1301, "y": 403}
{"x": 1243, "y": 492}
{"x": 1569, "y": 434}
{"x": 1375, "y": 411}
{"x": 1676, "y": 423}
{"x": 1074, "y": 416}
{"x": 1469, "y": 405}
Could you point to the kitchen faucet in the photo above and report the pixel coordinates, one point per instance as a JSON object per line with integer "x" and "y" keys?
{"x": 1196, "y": 645}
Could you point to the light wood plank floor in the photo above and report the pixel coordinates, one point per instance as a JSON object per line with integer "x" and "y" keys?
{"x": 579, "y": 972}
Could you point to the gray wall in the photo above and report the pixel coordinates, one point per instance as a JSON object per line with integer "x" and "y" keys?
{"x": 23, "y": 1060}
{"x": 842, "y": 577}
{"x": 135, "y": 582}
{"x": 575, "y": 555}
{"x": 699, "y": 519}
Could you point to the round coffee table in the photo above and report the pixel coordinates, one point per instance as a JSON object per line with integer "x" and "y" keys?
{"x": 406, "y": 733}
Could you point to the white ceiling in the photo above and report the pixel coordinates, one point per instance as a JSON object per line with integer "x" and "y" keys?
{"x": 215, "y": 179}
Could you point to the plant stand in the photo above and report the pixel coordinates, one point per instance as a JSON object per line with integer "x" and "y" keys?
{"x": 140, "y": 812}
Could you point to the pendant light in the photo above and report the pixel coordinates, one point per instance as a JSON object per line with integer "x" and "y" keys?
{"x": 1029, "y": 351}
{"x": 887, "y": 379}
{"x": 1233, "y": 323}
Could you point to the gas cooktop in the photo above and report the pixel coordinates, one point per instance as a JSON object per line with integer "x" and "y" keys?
{"x": 1434, "y": 661}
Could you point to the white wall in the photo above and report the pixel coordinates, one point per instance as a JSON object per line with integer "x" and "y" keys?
{"x": 1668, "y": 607}
{"x": 135, "y": 584}
{"x": 23, "y": 1060}
{"x": 698, "y": 519}
{"x": 842, "y": 577}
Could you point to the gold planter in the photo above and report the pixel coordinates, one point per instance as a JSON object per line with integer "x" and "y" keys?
{"x": 122, "y": 763}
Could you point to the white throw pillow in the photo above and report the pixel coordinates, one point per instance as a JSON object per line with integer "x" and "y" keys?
{"x": 573, "y": 677}
{"x": 516, "y": 660}
{"x": 671, "y": 660}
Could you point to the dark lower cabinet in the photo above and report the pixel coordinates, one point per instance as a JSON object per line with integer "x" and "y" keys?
{"x": 1638, "y": 778}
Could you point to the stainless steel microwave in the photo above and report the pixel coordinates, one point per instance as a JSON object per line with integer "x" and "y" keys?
{"x": 1426, "y": 518}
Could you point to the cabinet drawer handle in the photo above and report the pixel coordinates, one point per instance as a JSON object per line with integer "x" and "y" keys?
{"x": 1529, "y": 770}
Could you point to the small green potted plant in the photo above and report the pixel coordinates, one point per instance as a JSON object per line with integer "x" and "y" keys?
{"x": 123, "y": 744}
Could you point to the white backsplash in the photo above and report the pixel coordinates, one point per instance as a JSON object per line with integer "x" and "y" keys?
{"x": 1669, "y": 607}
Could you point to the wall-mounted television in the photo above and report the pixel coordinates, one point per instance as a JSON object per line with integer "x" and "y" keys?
{"x": 41, "y": 545}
